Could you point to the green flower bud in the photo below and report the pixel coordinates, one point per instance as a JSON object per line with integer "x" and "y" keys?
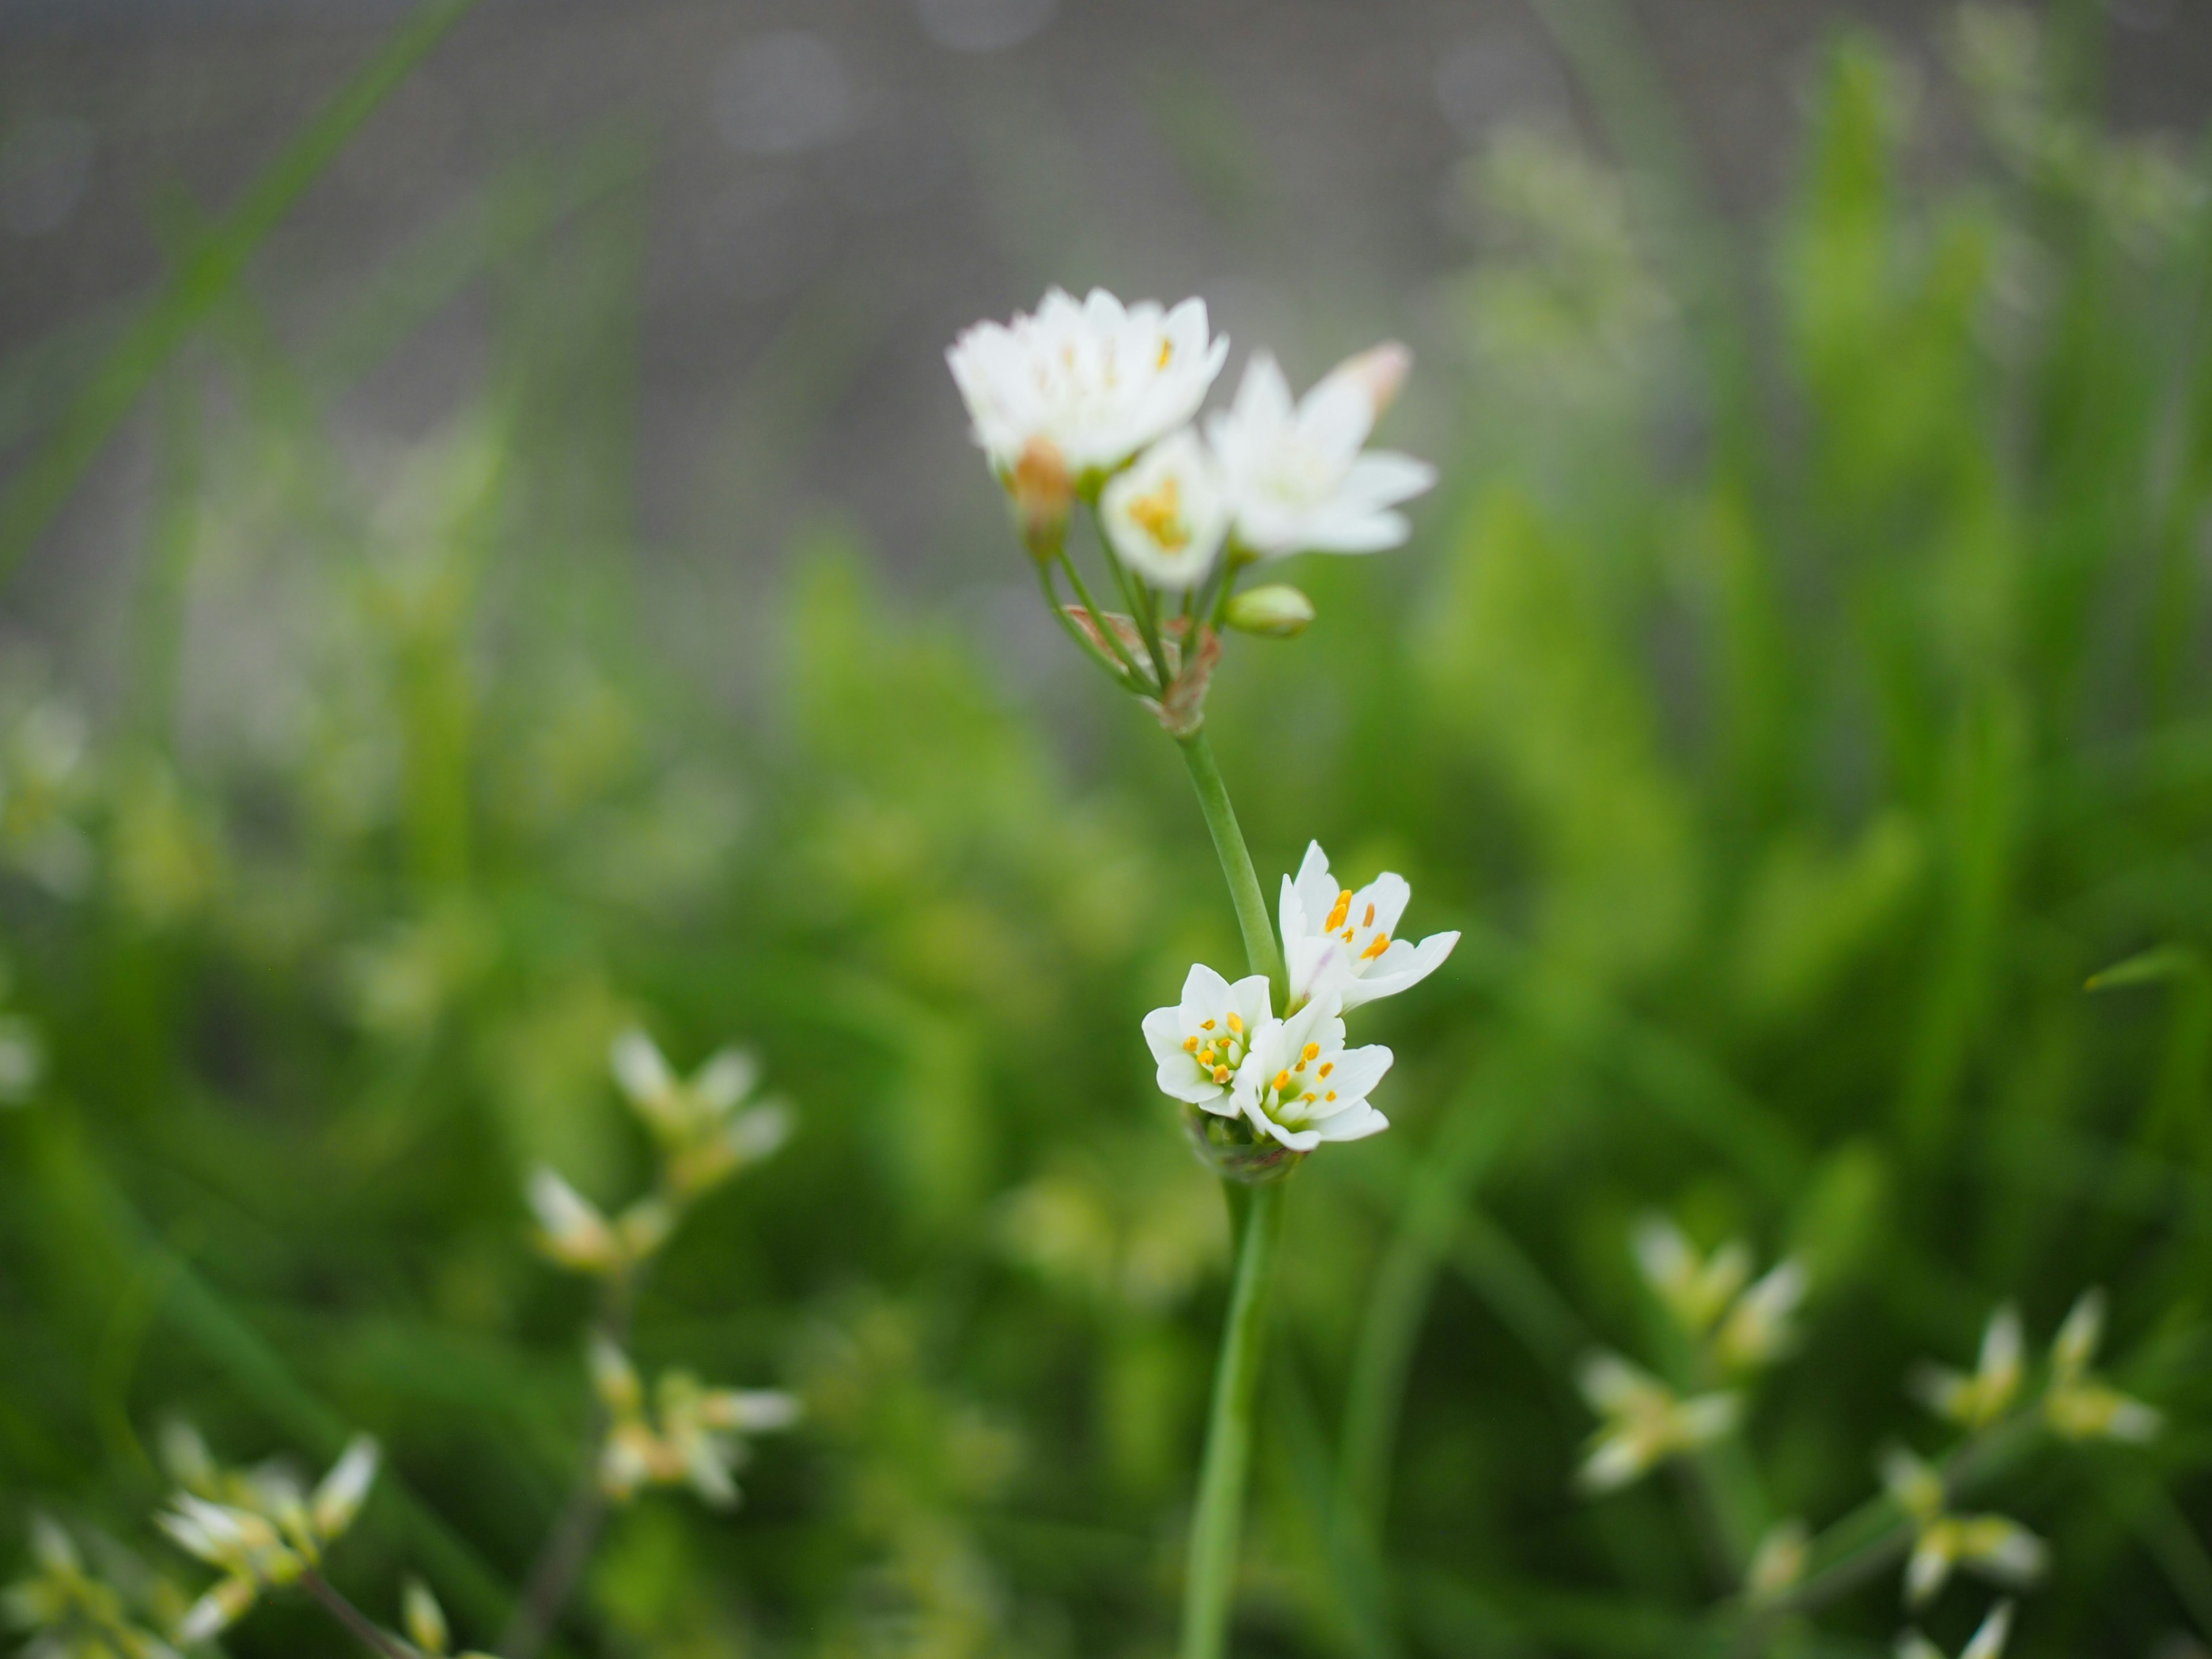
{"x": 1276, "y": 612}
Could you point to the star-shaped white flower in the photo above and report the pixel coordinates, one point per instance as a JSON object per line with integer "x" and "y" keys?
{"x": 1300, "y": 1085}
{"x": 1166, "y": 516}
{"x": 1977, "y": 1401}
{"x": 2080, "y": 1405}
{"x": 1335, "y": 937}
{"x": 1094, "y": 380}
{"x": 1992, "y": 1545}
{"x": 1297, "y": 475}
{"x": 1202, "y": 1042}
{"x": 1642, "y": 1421}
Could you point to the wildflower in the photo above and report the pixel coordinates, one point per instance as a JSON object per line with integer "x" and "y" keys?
{"x": 698, "y": 1439}
{"x": 1298, "y": 477}
{"x": 1202, "y": 1042}
{"x": 1695, "y": 1289}
{"x": 1093, "y": 381}
{"x": 1778, "y": 1563}
{"x": 1978, "y": 1401}
{"x": 1988, "y": 1544}
{"x": 1272, "y": 610}
{"x": 423, "y": 1619}
{"x": 1644, "y": 1422}
{"x": 570, "y": 1228}
{"x": 1332, "y": 932}
{"x": 73, "y": 1614}
{"x": 1986, "y": 1643}
{"x": 1300, "y": 1085}
{"x": 2080, "y": 1405}
{"x": 1166, "y": 516}
{"x": 1758, "y": 1330}
{"x": 704, "y": 1139}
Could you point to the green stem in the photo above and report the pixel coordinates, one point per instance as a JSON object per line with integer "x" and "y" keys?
{"x": 1209, "y": 1587}
{"x": 1098, "y": 620}
{"x": 1091, "y": 648}
{"x": 1244, "y": 891}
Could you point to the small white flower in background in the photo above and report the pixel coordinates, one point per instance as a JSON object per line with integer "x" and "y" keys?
{"x": 1987, "y": 1642}
{"x": 1166, "y": 516}
{"x": 1334, "y": 937}
{"x": 422, "y": 1618}
{"x": 703, "y": 1137}
{"x": 698, "y": 1439}
{"x": 1697, "y": 1289}
{"x": 1300, "y": 1085}
{"x": 267, "y": 1532}
{"x": 1778, "y": 1564}
{"x": 1644, "y": 1422}
{"x": 69, "y": 1612}
{"x": 1991, "y": 1545}
{"x": 339, "y": 1499}
{"x": 1759, "y": 1327}
{"x": 1298, "y": 475}
{"x": 2081, "y": 1406}
{"x": 571, "y": 1229}
{"x": 1095, "y": 380}
{"x": 1978, "y": 1401}
{"x": 1200, "y": 1043}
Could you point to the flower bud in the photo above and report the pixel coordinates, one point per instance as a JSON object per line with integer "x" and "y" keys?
{"x": 1275, "y": 611}
{"x": 1042, "y": 490}
{"x": 1229, "y": 1148}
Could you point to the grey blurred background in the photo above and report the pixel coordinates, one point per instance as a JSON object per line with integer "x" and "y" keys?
{"x": 810, "y": 199}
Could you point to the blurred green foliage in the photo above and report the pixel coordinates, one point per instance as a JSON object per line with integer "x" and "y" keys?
{"x": 1792, "y": 744}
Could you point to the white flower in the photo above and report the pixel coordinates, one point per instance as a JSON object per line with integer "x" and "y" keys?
{"x": 1978, "y": 1401}
{"x": 1202, "y": 1042}
{"x": 1300, "y": 1084}
{"x": 1332, "y": 933}
{"x": 698, "y": 1439}
{"x": 1644, "y": 1421}
{"x": 1778, "y": 1564}
{"x": 1297, "y": 476}
{"x": 570, "y": 1228}
{"x": 702, "y": 1141}
{"x": 2081, "y": 1406}
{"x": 1096, "y": 380}
{"x": 1697, "y": 1289}
{"x": 344, "y": 1488}
{"x": 1758, "y": 1328}
{"x": 1166, "y": 516}
{"x": 1989, "y": 1544}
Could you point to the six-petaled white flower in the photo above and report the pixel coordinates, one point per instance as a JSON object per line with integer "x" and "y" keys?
{"x": 1202, "y": 1042}
{"x": 1300, "y": 1085}
{"x": 698, "y": 1438}
{"x": 1166, "y": 516}
{"x": 1335, "y": 938}
{"x": 1642, "y": 1421}
{"x": 1093, "y": 379}
{"x": 1298, "y": 475}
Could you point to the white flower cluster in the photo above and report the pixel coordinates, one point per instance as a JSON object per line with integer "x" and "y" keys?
{"x": 1290, "y": 1079}
{"x": 1104, "y": 397}
{"x": 694, "y": 1436}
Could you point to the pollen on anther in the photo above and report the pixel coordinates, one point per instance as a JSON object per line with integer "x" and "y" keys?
{"x": 1337, "y": 911}
{"x": 1190, "y": 1045}
{"x": 1313, "y": 1052}
{"x": 1328, "y": 1066}
{"x": 1306, "y": 1097}
{"x": 1205, "y": 1056}
{"x": 1331, "y": 1095}
{"x": 1205, "y": 1025}
{"x": 1282, "y": 1081}
{"x": 1376, "y": 947}
{"x": 1236, "y": 1023}
{"x": 1368, "y": 920}
{"x": 1221, "y": 1074}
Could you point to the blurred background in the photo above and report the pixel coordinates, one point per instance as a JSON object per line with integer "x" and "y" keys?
{"x": 492, "y": 556}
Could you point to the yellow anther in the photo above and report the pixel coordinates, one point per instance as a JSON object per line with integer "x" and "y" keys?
{"x": 1282, "y": 1081}
{"x": 1376, "y": 947}
{"x": 1368, "y": 920}
{"x": 1205, "y": 1056}
{"x": 1307, "y": 1099}
{"x": 1221, "y": 1074}
{"x": 1331, "y": 1095}
{"x": 1313, "y": 1052}
{"x": 1160, "y": 515}
{"x": 1190, "y": 1045}
{"x": 1348, "y": 934}
{"x": 1336, "y": 916}
{"x": 1235, "y": 1023}
{"x": 1167, "y": 350}
{"x": 1205, "y": 1025}
{"x": 1328, "y": 1066}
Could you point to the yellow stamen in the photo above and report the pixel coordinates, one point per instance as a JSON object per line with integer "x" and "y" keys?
{"x": 1236, "y": 1023}
{"x": 1282, "y": 1081}
{"x": 1376, "y": 947}
{"x": 1160, "y": 515}
{"x": 1348, "y": 932}
{"x": 1368, "y": 920}
{"x": 1205, "y": 1025}
{"x": 1190, "y": 1045}
{"x": 1313, "y": 1051}
{"x": 1221, "y": 1074}
{"x": 1167, "y": 350}
{"x": 1307, "y": 1099}
{"x": 1331, "y": 1095}
{"x": 1205, "y": 1056}
{"x": 1336, "y": 916}
{"x": 1327, "y": 1068}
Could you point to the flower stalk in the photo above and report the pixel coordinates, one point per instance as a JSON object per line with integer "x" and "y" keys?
{"x": 1244, "y": 891}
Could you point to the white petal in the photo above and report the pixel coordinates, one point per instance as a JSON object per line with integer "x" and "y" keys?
{"x": 725, "y": 1079}
{"x": 340, "y": 1496}
{"x": 1989, "y": 1641}
{"x": 638, "y": 1066}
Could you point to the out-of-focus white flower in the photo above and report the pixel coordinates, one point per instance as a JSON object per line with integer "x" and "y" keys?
{"x": 1297, "y": 476}
{"x": 1642, "y": 1421}
{"x": 1334, "y": 937}
{"x": 704, "y": 1139}
{"x": 1094, "y": 380}
{"x": 1978, "y": 1401}
{"x": 1166, "y": 516}
{"x": 71, "y": 1614}
{"x": 1987, "y": 1642}
{"x": 422, "y": 1618}
{"x": 1697, "y": 1289}
{"x": 699, "y": 1439}
{"x": 1778, "y": 1564}
{"x": 1202, "y": 1042}
{"x": 1991, "y": 1545}
{"x": 2081, "y": 1406}
{"x": 339, "y": 1496}
{"x": 1300, "y": 1085}
{"x": 570, "y": 1228}
{"x": 1759, "y": 1327}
